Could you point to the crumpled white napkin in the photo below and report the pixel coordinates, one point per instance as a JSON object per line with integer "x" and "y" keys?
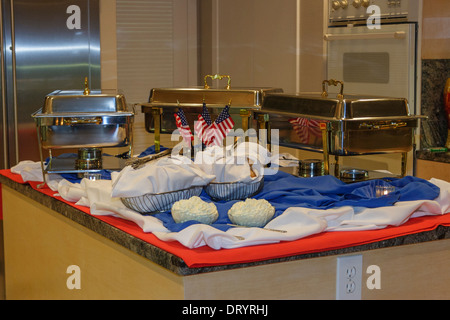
{"x": 354, "y": 218}
{"x": 96, "y": 194}
{"x": 29, "y": 170}
{"x": 232, "y": 164}
{"x": 297, "y": 222}
{"x": 158, "y": 176}
{"x": 296, "y": 226}
{"x": 287, "y": 160}
{"x": 72, "y": 192}
{"x": 32, "y": 171}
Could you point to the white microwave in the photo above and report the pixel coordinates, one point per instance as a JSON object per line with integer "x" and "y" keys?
{"x": 379, "y": 62}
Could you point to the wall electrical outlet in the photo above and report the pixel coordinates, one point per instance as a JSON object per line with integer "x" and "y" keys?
{"x": 349, "y": 277}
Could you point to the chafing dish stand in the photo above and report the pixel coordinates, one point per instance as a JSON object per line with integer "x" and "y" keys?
{"x": 87, "y": 121}
{"x": 340, "y": 125}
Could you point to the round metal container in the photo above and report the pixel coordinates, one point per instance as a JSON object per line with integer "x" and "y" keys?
{"x": 354, "y": 174}
{"x": 310, "y": 168}
{"x": 89, "y": 158}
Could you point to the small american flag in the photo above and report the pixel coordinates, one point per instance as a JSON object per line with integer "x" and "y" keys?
{"x": 201, "y": 126}
{"x": 183, "y": 126}
{"x": 221, "y": 127}
{"x": 206, "y": 115}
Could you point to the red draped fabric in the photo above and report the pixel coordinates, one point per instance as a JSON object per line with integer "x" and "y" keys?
{"x": 206, "y": 256}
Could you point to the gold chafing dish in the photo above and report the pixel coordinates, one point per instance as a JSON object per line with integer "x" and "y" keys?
{"x": 164, "y": 102}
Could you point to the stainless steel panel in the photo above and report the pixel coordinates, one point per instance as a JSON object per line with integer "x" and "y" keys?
{"x": 71, "y": 119}
{"x": 69, "y": 165}
{"x": 194, "y": 97}
{"x": 71, "y": 101}
{"x": 354, "y": 142}
{"x": 2, "y": 264}
{"x": 331, "y": 107}
{"x": 86, "y": 136}
{"x": 168, "y": 121}
{"x": 42, "y": 54}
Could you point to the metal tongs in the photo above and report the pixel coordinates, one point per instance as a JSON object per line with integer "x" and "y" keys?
{"x": 137, "y": 163}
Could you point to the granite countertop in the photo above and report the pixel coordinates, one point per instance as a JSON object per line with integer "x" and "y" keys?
{"x": 433, "y": 156}
{"x": 176, "y": 264}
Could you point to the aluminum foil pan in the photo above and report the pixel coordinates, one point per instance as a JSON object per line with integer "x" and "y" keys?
{"x": 151, "y": 203}
{"x": 228, "y": 191}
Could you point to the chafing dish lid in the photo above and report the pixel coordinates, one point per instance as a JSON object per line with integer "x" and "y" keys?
{"x": 74, "y": 101}
{"x": 349, "y": 107}
{"x": 195, "y": 96}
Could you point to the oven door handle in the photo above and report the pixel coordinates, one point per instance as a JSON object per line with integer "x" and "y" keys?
{"x": 369, "y": 36}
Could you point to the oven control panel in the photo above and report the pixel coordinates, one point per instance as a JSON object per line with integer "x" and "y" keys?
{"x": 342, "y": 11}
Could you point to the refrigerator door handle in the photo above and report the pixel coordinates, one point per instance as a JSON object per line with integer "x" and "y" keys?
{"x": 14, "y": 82}
{"x": 3, "y": 81}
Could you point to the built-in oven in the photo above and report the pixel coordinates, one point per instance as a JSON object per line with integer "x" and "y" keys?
{"x": 372, "y": 47}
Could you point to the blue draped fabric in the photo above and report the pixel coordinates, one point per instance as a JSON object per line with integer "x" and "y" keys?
{"x": 283, "y": 190}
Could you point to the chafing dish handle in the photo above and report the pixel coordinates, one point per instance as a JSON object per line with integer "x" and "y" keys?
{"x": 86, "y": 91}
{"x": 218, "y": 77}
{"x": 332, "y": 82}
{"x": 74, "y": 121}
{"x": 382, "y": 125}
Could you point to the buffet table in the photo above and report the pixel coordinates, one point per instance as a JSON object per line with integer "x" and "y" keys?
{"x": 44, "y": 235}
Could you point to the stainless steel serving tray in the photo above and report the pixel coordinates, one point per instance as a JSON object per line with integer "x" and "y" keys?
{"x": 354, "y": 125}
{"x": 72, "y": 119}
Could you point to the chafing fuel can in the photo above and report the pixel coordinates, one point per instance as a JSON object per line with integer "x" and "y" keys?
{"x": 311, "y": 168}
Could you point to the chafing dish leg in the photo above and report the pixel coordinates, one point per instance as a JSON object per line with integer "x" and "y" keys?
{"x": 336, "y": 166}
{"x": 42, "y": 159}
{"x": 130, "y": 151}
{"x": 263, "y": 126}
{"x": 404, "y": 163}
{"x": 245, "y": 115}
{"x": 326, "y": 157}
{"x": 156, "y": 112}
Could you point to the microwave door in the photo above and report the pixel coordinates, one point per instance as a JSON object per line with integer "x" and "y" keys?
{"x": 373, "y": 62}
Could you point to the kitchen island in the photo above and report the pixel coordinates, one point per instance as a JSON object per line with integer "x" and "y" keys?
{"x": 428, "y": 163}
{"x": 45, "y": 237}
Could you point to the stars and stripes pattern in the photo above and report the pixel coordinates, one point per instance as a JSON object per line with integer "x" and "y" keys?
{"x": 202, "y": 124}
{"x": 213, "y": 133}
{"x": 183, "y": 126}
{"x": 222, "y": 126}
{"x": 306, "y": 129}
{"x": 205, "y": 114}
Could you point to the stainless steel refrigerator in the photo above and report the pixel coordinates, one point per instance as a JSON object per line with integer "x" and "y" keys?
{"x": 46, "y": 45}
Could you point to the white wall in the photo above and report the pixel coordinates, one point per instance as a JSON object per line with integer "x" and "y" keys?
{"x": 266, "y": 43}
